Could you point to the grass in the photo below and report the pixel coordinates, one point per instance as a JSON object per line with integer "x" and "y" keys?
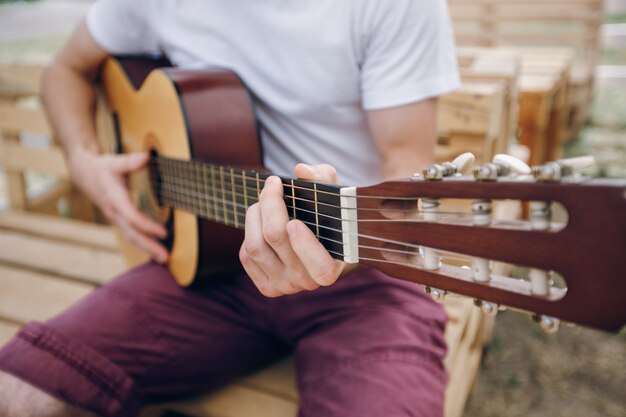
{"x": 615, "y": 18}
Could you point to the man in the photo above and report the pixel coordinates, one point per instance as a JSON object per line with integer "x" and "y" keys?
{"x": 349, "y": 84}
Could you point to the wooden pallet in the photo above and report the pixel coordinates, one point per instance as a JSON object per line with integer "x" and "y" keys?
{"x": 539, "y": 23}
{"x": 543, "y": 84}
{"x": 469, "y": 120}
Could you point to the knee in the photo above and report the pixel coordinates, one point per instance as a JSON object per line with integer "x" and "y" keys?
{"x": 20, "y": 399}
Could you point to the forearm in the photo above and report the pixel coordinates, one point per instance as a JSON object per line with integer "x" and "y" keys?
{"x": 70, "y": 97}
{"x": 69, "y": 94}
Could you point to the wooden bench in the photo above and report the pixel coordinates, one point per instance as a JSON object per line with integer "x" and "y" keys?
{"x": 48, "y": 262}
{"x": 539, "y": 23}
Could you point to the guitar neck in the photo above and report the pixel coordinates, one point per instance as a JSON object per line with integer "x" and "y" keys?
{"x": 223, "y": 195}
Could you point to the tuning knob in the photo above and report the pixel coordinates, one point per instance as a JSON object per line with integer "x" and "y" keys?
{"x": 486, "y": 307}
{"x": 436, "y": 294}
{"x": 554, "y": 171}
{"x": 502, "y": 166}
{"x": 548, "y": 324}
{"x": 464, "y": 163}
{"x": 516, "y": 166}
{"x": 579, "y": 163}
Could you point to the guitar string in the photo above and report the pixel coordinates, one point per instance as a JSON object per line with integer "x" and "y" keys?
{"x": 409, "y": 253}
{"x": 193, "y": 165}
{"x": 446, "y": 254}
{"x": 197, "y": 191}
{"x": 522, "y": 225}
{"x": 416, "y": 247}
{"x": 200, "y": 201}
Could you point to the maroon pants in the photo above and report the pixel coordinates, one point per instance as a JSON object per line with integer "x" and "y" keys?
{"x": 367, "y": 346}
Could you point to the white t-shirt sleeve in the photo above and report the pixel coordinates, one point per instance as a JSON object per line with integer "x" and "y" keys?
{"x": 408, "y": 53}
{"x": 122, "y": 27}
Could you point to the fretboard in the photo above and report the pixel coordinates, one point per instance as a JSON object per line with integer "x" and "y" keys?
{"x": 223, "y": 194}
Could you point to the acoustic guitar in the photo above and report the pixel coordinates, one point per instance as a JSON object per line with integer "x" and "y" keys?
{"x": 207, "y": 168}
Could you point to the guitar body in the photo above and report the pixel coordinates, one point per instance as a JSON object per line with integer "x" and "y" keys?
{"x": 204, "y": 116}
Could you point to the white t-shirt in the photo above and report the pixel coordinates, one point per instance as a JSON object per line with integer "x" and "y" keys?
{"x": 313, "y": 67}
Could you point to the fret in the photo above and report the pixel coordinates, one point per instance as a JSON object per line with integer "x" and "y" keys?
{"x": 196, "y": 187}
{"x": 317, "y": 219}
{"x": 245, "y": 189}
{"x": 234, "y": 197}
{"x": 214, "y": 192}
{"x": 226, "y": 220}
{"x": 191, "y": 185}
{"x": 207, "y": 201}
{"x": 293, "y": 199}
{"x": 258, "y": 187}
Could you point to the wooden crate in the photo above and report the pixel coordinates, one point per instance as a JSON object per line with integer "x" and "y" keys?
{"x": 539, "y": 23}
{"x": 542, "y": 90}
{"x": 480, "y": 117}
{"x": 469, "y": 121}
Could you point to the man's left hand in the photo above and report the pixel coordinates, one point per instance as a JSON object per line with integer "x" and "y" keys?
{"x": 283, "y": 256}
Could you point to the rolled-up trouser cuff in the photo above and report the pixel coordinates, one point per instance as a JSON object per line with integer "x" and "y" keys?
{"x": 70, "y": 371}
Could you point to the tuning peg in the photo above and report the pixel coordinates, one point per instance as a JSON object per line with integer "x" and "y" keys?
{"x": 548, "y": 324}
{"x": 579, "y": 163}
{"x": 554, "y": 171}
{"x": 516, "y": 166}
{"x": 501, "y": 166}
{"x": 488, "y": 308}
{"x": 436, "y": 294}
{"x": 462, "y": 164}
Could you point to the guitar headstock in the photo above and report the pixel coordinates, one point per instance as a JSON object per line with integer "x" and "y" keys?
{"x": 565, "y": 246}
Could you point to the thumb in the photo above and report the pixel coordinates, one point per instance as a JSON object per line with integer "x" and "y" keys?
{"x": 129, "y": 162}
{"x": 318, "y": 173}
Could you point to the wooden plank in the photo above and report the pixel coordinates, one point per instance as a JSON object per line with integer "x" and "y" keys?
{"x": 278, "y": 379}
{"x": 73, "y": 260}
{"x": 474, "y": 109}
{"x": 17, "y": 119}
{"x": 497, "y": 38}
{"x": 47, "y": 201}
{"x": 462, "y": 311}
{"x": 15, "y": 181}
{"x": 237, "y": 401}
{"x": 461, "y": 382}
{"x": 525, "y": 13}
{"x": 20, "y": 79}
{"x": 534, "y": 3}
{"x": 7, "y": 330}
{"x": 60, "y": 228}
{"x": 27, "y": 295}
{"x": 19, "y": 158}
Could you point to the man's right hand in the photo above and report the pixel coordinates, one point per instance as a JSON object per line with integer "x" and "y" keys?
{"x": 103, "y": 179}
